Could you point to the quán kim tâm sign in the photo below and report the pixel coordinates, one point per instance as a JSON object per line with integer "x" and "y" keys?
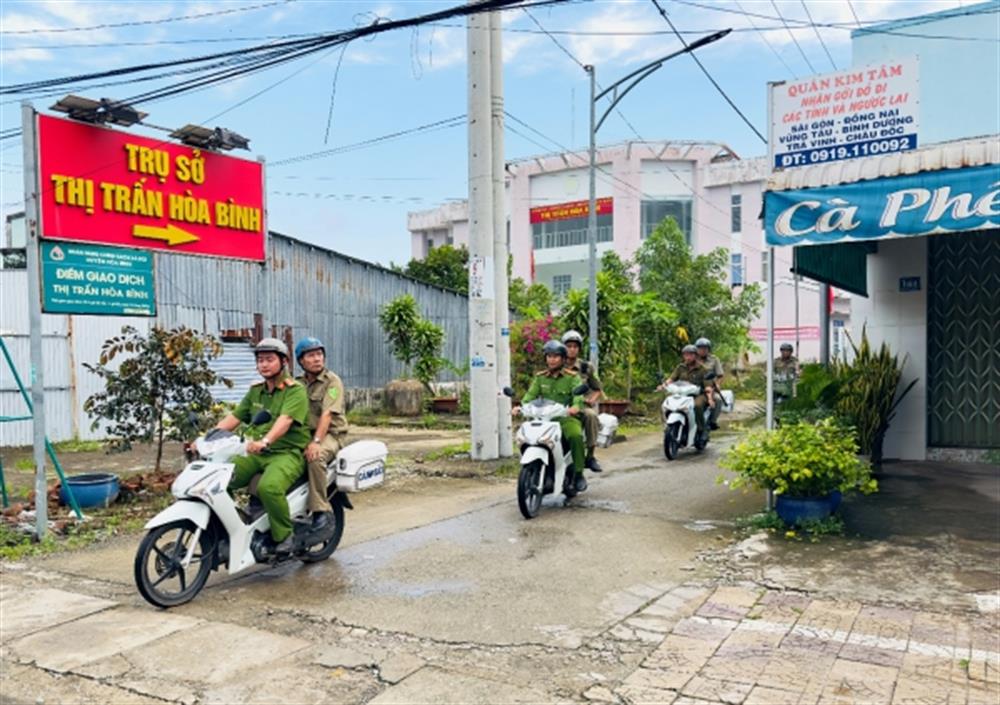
{"x": 943, "y": 201}
{"x": 108, "y": 187}
{"x": 859, "y": 112}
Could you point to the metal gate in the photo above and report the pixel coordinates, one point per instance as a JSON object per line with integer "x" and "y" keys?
{"x": 963, "y": 340}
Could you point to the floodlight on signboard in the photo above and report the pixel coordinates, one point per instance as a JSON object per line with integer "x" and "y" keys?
{"x": 206, "y": 138}
{"x": 104, "y": 110}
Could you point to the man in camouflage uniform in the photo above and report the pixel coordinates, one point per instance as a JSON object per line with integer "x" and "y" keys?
{"x": 556, "y": 383}
{"x": 710, "y": 361}
{"x": 327, "y": 423}
{"x": 591, "y": 425}
{"x": 786, "y": 373}
{"x": 693, "y": 371}
{"x": 275, "y": 447}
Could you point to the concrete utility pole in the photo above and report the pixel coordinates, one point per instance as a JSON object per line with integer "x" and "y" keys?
{"x": 824, "y": 324}
{"x": 482, "y": 274}
{"x": 501, "y": 247}
{"x": 32, "y": 221}
{"x": 592, "y": 220}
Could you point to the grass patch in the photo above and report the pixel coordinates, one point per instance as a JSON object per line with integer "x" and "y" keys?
{"x": 509, "y": 468}
{"x": 811, "y": 531}
{"x": 119, "y": 519}
{"x": 449, "y": 451}
{"x": 77, "y": 446}
{"x": 992, "y": 456}
{"x": 24, "y": 464}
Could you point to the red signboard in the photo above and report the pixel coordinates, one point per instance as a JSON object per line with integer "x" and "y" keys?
{"x": 566, "y": 211}
{"x": 114, "y": 188}
{"x": 787, "y": 333}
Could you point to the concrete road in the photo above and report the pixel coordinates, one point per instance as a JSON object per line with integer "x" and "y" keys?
{"x": 428, "y": 570}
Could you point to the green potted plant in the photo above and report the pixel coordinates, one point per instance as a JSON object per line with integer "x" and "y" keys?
{"x": 807, "y": 466}
{"x": 417, "y": 343}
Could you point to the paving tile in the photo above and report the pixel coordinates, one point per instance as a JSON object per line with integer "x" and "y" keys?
{"x": 921, "y": 690}
{"x": 671, "y": 677}
{"x": 740, "y": 664}
{"x": 640, "y": 695}
{"x": 25, "y": 611}
{"x": 943, "y": 668}
{"x": 713, "y": 631}
{"x": 433, "y": 686}
{"x": 651, "y": 624}
{"x": 213, "y": 653}
{"x": 106, "y": 633}
{"x": 795, "y": 669}
{"x": 729, "y": 692}
{"x": 761, "y": 695}
{"x": 859, "y": 683}
{"x": 871, "y": 654}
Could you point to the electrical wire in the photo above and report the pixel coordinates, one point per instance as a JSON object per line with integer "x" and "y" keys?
{"x": 138, "y": 23}
{"x": 709, "y": 76}
{"x": 447, "y": 123}
{"x": 818, "y": 35}
{"x": 854, "y": 12}
{"x": 769, "y": 44}
{"x": 555, "y": 41}
{"x": 794, "y": 39}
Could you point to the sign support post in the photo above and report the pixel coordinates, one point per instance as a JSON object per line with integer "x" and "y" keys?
{"x": 32, "y": 215}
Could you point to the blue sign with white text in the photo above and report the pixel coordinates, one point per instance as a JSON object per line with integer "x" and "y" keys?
{"x": 942, "y": 201}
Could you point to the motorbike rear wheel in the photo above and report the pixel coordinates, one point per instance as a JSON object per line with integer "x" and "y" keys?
{"x": 529, "y": 497}
{"x": 670, "y": 436}
{"x": 322, "y": 551}
{"x": 159, "y": 563}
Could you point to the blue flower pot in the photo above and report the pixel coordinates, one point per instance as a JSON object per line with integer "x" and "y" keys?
{"x": 97, "y": 489}
{"x": 795, "y": 510}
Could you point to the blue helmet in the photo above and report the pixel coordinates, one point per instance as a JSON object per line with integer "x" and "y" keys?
{"x": 308, "y": 344}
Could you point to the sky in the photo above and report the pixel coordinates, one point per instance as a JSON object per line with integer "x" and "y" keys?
{"x": 356, "y": 201}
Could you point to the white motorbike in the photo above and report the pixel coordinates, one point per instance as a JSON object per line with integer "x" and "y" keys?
{"x": 678, "y": 412}
{"x": 546, "y": 458}
{"x": 205, "y": 529}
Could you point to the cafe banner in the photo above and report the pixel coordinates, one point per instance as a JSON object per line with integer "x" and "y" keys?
{"x": 943, "y": 201}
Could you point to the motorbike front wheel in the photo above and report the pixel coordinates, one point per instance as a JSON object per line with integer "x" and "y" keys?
{"x": 670, "y": 436}
{"x": 160, "y": 574}
{"x": 322, "y": 551}
{"x": 529, "y": 496}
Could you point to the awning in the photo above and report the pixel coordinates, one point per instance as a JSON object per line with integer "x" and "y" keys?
{"x": 844, "y": 266}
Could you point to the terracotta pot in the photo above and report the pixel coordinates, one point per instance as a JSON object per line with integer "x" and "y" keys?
{"x": 618, "y": 407}
{"x": 444, "y": 405}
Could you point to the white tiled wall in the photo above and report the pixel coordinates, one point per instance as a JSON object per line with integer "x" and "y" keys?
{"x": 899, "y": 319}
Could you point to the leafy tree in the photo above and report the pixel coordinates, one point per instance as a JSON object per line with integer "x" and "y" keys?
{"x": 695, "y": 286}
{"x": 152, "y": 393}
{"x": 415, "y": 341}
{"x": 529, "y": 301}
{"x": 445, "y": 266}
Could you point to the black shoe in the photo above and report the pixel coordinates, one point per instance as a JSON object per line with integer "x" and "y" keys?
{"x": 714, "y": 426}
{"x": 581, "y": 483}
{"x": 593, "y": 465}
{"x": 320, "y": 520}
{"x": 284, "y": 547}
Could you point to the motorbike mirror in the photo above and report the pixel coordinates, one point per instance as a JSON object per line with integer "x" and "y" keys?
{"x": 508, "y": 392}
{"x": 260, "y": 418}
{"x": 710, "y": 376}
{"x": 581, "y": 390}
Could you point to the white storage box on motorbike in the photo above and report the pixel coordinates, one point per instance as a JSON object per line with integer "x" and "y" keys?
{"x": 606, "y": 431}
{"x": 361, "y": 466}
{"x": 728, "y": 399}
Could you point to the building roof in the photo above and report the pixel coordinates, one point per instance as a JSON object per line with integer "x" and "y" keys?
{"x": 975, "y": 151}
{"x": 903, "y": 23}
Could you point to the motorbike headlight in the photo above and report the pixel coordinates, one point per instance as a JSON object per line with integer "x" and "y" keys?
{"x": 206, "y": 487}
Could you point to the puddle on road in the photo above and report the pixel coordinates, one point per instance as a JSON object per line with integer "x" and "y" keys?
{"x": 701, "y": 525}
{"x": 609, "y": 505}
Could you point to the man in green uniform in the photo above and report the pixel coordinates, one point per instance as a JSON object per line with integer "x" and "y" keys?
{"x": 327, "y": 423}
{"x": 591, "y": 425}
{"x": 786, "y": 373}
{"x": 556, "y": 383}
{"x": 275, "y": 448}
{"x": 693, "y": 371}
{"x": 705, "y": 356}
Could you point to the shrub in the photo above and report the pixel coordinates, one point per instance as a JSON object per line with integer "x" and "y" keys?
{"x": 415, "y": 341}
{"x": 800, "y": 460}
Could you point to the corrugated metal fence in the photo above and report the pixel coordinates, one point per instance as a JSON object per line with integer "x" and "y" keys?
{"x": 307, "y": 290}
